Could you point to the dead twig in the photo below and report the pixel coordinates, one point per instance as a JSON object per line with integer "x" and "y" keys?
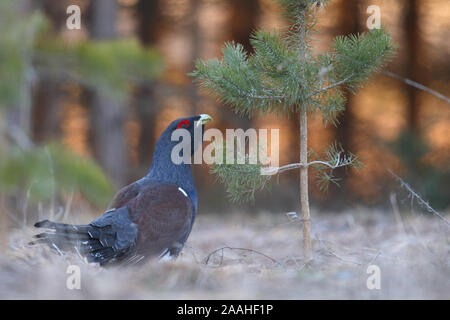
{"x": 332, "y": 253}
{"x": 374, "y": 258}
{"x": 417, "y": 85}
{"x": 208, "y": 257}
{"x": 415, "y": 195}
{"x": 395, "y": 209}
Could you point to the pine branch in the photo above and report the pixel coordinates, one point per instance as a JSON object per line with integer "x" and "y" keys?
{"x": 242, "y": 180}
{"x": 241, "y": 94}
{"x": 331, "y": 86}
{"x": 334, "y": 164}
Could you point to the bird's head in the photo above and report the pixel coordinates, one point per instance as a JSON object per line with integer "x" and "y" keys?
{"x": 193, "y": 125}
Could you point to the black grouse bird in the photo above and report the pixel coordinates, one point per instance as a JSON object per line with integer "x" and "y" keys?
{"x": 151, "y": 217}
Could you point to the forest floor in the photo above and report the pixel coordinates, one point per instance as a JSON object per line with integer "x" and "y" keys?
{"x": 240, "y": 256}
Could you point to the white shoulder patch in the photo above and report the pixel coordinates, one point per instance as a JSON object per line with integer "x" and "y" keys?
{"x": 182, "y": 191}
{"x": 165, "y": 256}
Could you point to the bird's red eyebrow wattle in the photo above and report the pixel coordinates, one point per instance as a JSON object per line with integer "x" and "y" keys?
{"x": 186, "y": 122}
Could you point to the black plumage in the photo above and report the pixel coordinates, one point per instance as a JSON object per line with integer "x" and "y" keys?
{"x": 151, "y": 217}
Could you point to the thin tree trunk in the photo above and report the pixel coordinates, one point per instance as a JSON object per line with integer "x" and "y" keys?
{"x": 304, "y": 198}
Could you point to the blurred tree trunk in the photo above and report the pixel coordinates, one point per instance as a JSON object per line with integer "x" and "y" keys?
{"x": 243, "y": 22}
{"x": 349, "y": 23}
{"x": 55, "y": 11}
{"x": 46, "y": 112}
{"x": 19, "y": 117}
{"x": 149, "y": 21}
{"x": 412, "y": 62}
{"x": 149, "y": 29}
{"x": 107, "y": 114}
{"x": 196, "y": 49}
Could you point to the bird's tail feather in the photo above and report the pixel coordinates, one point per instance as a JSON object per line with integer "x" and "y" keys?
{"x": 86, "y": 239}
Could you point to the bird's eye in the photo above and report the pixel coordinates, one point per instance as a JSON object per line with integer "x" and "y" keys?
{"x": 184, "y": 123}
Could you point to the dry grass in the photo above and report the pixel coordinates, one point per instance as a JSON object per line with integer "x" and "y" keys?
{"x": 414, "y": 262}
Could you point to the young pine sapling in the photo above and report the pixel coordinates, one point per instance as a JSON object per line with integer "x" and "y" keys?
{"x": 284, "y": 76}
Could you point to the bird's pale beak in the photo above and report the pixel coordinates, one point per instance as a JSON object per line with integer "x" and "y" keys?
{"x": 204, "y": 118}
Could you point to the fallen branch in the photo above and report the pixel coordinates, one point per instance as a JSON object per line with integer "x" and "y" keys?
{"x": 208, "y": 257}
{"x": 415, "y": 195}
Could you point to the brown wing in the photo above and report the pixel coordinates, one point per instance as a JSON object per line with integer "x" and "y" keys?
{"x": 125, "y": 194}
{"x": 163, "y": 215}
